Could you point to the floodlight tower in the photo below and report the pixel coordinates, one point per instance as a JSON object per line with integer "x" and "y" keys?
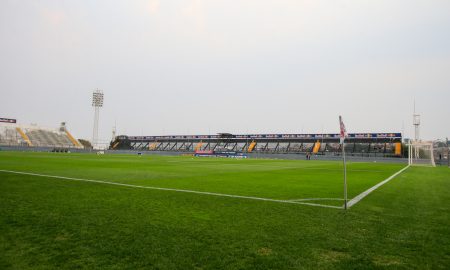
{"x": 97, "y": 103}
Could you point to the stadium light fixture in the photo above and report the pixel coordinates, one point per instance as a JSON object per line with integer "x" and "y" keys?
{"x": 97, "y": 103}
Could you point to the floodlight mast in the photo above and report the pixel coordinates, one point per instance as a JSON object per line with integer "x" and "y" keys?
{"x": 97, "y": 103}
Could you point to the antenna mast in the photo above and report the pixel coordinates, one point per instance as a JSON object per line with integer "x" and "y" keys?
{"x": 416, "y": 122}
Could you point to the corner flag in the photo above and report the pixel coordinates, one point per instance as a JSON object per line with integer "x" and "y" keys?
{"x": 343, "y": 135}
{"x": 343, "y": 131}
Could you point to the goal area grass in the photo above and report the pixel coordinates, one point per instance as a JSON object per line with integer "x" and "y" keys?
{"x": 157, "y": 212}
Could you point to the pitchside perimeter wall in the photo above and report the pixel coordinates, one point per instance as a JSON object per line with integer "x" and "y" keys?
{"x": 250, "y": 155}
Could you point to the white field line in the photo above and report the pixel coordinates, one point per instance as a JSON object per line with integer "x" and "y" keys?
{"x": 172, "y": 189}
{"x": 358, "y": 198}
{"x": 317, "y": 199}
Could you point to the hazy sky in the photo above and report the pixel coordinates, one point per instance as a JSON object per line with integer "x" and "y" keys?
{"x": 239, "y": 66}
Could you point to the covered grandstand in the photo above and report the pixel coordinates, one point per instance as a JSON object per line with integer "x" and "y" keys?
{"x": 369, "y": 144}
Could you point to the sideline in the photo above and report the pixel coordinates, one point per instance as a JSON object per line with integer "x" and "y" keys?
{"x": 172, "y": 189}
{"x": 361, "y": 196}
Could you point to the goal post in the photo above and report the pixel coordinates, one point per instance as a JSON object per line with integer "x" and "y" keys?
{"x": 421, "y": 153}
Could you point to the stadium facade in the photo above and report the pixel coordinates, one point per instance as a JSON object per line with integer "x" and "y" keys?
{"x": 370, "y": 144}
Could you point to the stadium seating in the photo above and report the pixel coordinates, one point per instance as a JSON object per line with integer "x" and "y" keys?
{"x": 252, "y": 146}
{"x": 357, "y": 144}
{"x": 316, "y": 147}
{"x": 307, "y": 147}
{"x": 34, "y": 136}
{"x": 10, "y": 136}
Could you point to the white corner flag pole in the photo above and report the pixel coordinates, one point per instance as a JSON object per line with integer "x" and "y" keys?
{"x": 343, "y": 135}
{"x": 345, "y": 176}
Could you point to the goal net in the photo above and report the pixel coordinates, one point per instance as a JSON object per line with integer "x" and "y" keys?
{"x": 421, "y": 154}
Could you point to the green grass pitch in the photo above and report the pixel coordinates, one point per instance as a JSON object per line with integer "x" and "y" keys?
{"x": 51, "y": 223}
